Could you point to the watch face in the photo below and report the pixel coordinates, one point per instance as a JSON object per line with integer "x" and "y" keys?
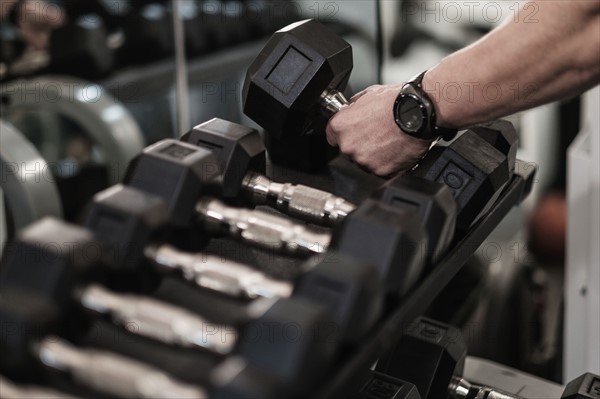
{"x": 410, "y": 114}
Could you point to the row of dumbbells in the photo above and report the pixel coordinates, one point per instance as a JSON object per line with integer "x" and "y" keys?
{"x": 172, "y": 189}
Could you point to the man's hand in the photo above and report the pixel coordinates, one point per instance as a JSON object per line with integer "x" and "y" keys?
{"x": 366, "y": 133}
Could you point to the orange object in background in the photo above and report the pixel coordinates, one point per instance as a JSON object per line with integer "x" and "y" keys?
{"x": 548, "y": 228}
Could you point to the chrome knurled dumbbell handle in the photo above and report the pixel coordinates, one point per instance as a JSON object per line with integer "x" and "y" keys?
{"x": 217, "y": 274}
{"x": 262, "y": 229}
{"x": 332, "y": 101}
{"x": 159, "y": 320}
{"x": 462, "y": 389}
{"x": 301, "y": 201}
{"x": 112, "y": 373}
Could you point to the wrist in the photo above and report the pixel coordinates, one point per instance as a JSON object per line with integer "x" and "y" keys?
{"x": 432, "y": 86}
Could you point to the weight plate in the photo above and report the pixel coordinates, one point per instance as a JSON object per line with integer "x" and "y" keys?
{"x": 112, "y": 130}
{"x": 26, "y": 180}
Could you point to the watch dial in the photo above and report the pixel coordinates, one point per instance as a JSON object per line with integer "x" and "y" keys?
{"x": 411, "y": 115}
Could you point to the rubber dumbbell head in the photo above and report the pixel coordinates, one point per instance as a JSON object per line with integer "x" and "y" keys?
{"x": 48, "y": 259}
{"x": 293, "y": 340}
{"x": 390, "y": 240}
{"x": 177, "y": 172}
{"x": 432, "y": 202}
{"x": 474, "y": 171}
{"x": 348, "y": 288}
{"x": 124, "y": 221}
{"x": 380, "y": 385}
{"x": 238, "y": 149}
{"x": 429, "y": 354}
{"x": 286, "y": 84}
{"x": 586, "y": 386}
{"x": 502, "y": 135}
{"x": 27, "y": 318}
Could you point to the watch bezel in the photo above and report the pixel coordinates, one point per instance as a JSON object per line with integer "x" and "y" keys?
{"x": 424, "y": 117}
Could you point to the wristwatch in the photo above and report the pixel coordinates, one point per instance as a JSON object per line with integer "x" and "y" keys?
{"x": 414, "y": 113}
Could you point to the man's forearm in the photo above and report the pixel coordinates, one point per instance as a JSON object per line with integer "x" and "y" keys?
{"x": 533, "y": 58}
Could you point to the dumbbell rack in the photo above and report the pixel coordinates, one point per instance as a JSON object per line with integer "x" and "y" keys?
{"x": 354, "y": 184}
{"x": 355, "y": 362}
{"x": 343, "y": 382}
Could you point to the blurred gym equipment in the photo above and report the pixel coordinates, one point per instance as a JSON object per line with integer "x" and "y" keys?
{"x": 27, "y": 183}
{"x": 85, "y": 136}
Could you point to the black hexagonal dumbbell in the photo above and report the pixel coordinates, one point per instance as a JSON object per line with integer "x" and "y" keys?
{"x": 433, "y": 202}
{"x": 431, "y": 355}
{"x": 391, "y": 240}
{"x": 183, "y": 175}
{"x": 383, "y": 386}
{"x": 242, "y": 159}
{"x": 586, "y": 386}
{"x": 474, "y": 170}
{"x": 131, "y": 225}
{"x": 52, "y": 259}
{"x": 501, "y": 134}
{"x": 293, "y": 87}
